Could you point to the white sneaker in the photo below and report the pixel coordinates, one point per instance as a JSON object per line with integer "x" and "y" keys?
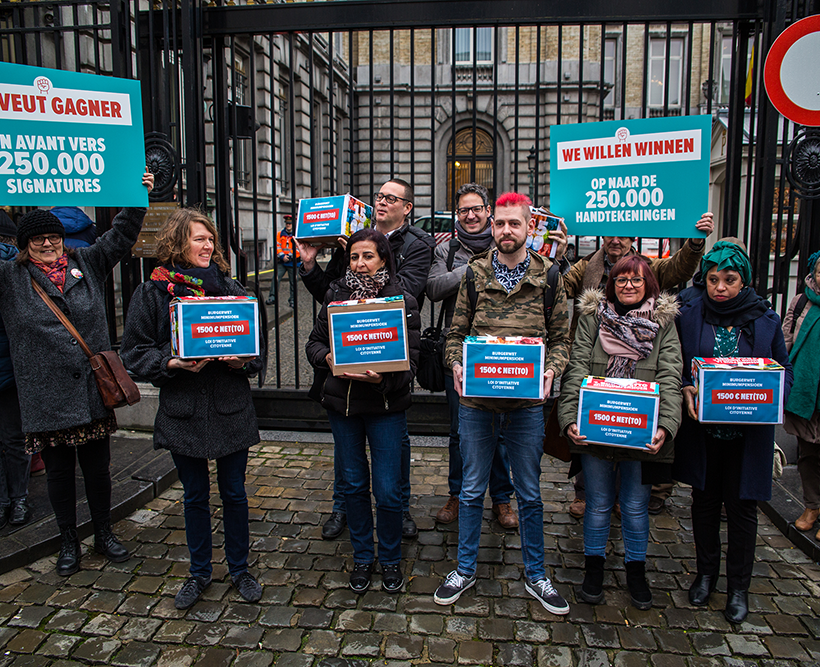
{"x": 452, "y": 587}
{"x": 543, "y": 591}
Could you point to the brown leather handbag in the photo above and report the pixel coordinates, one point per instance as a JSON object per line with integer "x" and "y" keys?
{"x": 116, "y": 386}
{"x": 555, "y": 444}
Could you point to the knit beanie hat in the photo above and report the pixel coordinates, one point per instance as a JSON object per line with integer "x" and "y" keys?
{"x": 37, "y": 222}
{"x": 7, "y": 226}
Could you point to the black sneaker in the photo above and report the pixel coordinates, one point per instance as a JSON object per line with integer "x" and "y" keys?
{"x": 334, "y": 526}
{"x": 543, "y": 591}
{"x": 392, "y": 578}
{"x": 247, "y": 586}
{"x": 20, "y": 512}
{"x": 452, "y": 587}
{"x": 408, "y": 526}
{"x": 360, "y": 577}
{"x": 190, "y": 592}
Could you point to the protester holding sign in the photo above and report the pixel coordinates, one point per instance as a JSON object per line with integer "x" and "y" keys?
{"x": 205, "y": 406}
{"x": 629, "y": 332}
{"x": 370, "y": 407}
{"x": 802, "y": 334}
{"x": 62, "y": 411}
{"x": 727, "y": 465}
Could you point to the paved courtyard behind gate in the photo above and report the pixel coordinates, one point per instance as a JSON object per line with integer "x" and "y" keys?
{"x": 123, "y": 614}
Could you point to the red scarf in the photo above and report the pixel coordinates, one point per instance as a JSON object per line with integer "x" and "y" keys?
{"x": 55, "y": 271}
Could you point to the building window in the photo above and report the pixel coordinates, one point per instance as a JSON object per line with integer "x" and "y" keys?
{"x": 470, "y": 161}
{"x": 611, "y": 71}
{"x": 239, "y": 94}
{"x": 476, "y": 44}
{"x": 658, "y": 85}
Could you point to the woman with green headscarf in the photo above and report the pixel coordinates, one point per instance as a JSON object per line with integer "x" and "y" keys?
{"x": 801, "y": 329}
{"x": 726, "y": 464}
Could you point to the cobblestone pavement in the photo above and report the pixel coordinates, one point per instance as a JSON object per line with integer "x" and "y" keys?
{"x": 123, "y": 614}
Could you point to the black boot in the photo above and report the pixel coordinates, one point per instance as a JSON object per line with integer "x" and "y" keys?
{"x": 107, "y": 544}
{"x": 636, "y": 583}
{"x": 592, "y": 590}
{"x": 701, "y": 589}
{"x": 68, "y": 562}
{"x": 737, "y": 605}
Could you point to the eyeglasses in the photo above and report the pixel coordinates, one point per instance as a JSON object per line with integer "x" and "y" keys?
{"x": 636, "y": 281}
{"x": 40, "y": 240}
{"x": 463, "y": 212}
{"x": 391, "y": 199}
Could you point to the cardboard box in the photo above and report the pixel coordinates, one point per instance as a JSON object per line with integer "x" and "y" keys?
{"x": 739, "y": 390}
{"x": 368, "y": 334}
{"x": 539, "y": 240}
{"x": 207, "y": 327}
{"x": 322, "y": 220}
{"x": 496, "y": 367}
{"x": 618, "y": 412}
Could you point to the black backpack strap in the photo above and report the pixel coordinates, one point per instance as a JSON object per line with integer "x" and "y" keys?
{"x": 411, "y": 235}
{"x": 550, "y": 288}
{"x": 472, "y": 295}
{"x": 451, "y": 255}
{"x": 799, "y": 307}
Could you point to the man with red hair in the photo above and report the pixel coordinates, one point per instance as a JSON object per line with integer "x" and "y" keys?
{"x": 510, "y": 284}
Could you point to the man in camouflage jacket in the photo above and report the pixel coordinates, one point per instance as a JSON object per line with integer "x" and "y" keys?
{"x": 509, "y": 285}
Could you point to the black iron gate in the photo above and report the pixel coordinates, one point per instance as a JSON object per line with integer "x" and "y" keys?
{"x": 249, "y": 107}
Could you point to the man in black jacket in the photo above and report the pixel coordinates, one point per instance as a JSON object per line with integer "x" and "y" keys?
{"x": 413, "y": 253}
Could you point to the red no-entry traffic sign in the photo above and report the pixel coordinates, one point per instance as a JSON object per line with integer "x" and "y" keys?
{"x": 792, "y": 72}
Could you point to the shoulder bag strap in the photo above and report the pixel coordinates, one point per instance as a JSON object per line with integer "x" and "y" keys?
{"x": 61, "y": 316}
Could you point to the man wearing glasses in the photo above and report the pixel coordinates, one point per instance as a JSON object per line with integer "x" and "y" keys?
{"x": 413, "y": 254}
{"x": 592, "y": 272}
{"x": 473, "y": 236}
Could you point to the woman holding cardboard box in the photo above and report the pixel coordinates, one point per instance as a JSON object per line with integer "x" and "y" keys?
{"x": 205, "y": 407}
{"x": 368, "y": 406}
{"x": 802, "y": 419}
{"x": 726, "y": 464}
{"x": 627, "y": 333}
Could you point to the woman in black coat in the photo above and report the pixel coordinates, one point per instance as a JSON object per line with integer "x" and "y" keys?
{"x": 62, "y": 412}
{"x": 726, "y": 464}
{"x": 368, "y": 407}
{"x": 205, "y": 407}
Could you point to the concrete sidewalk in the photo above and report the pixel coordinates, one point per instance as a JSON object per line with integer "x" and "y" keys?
{"x": 123, "y": 614}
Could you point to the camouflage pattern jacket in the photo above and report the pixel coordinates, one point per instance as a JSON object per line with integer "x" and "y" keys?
{"x": 519, "y": 313}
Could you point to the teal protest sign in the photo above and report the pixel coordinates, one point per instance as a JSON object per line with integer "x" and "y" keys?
{"x": 69, "y": 139}
{"x": 647, "y": 177}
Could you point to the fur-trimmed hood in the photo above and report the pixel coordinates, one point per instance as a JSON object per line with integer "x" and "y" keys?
{"x": 666, "y": 306}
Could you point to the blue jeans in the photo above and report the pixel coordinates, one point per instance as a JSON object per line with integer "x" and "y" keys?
{"x": 523, "y": 433}
{"x": 15, "y": 464}
{"x": 501, "y": 486}
{"x": 634, "y": 499}
{"x": 339, "y": 481}
{"x": 383, "y": 434}
{"x": 196, "y": 483}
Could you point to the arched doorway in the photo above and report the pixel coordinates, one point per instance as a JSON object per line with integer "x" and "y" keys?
{"x": 469, "y": 161}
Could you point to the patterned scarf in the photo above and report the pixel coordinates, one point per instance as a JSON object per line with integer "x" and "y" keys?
{"x": 55, "y": 271}
{"x": 626, "y": 338}
{"x": 510, "y": 277}
{"x": 365, "y": 286}
{"x": 192, "y": 281}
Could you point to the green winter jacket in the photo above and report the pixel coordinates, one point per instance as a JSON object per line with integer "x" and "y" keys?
{"x": 664, "y": 366}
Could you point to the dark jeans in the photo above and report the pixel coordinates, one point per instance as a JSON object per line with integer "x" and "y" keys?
{"x": 383, "y": 434}
{"x": 501, "y": 486}
{"x": 276, "y": 281}
{"x": 339, "y": 482}
{"x": 196, "y": 482}
{"x": 722, "y": 487}
{"x": 15, "y": 464}
{"x": 95, "y": 458}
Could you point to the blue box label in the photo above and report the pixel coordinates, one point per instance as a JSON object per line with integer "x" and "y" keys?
{"x": 503, "y": 371}
{"x": 620, "y": 420}
{"x": 215, "y": 329}
{"x": 368, "y": 336}
{"x": 331, "y": 217}
{"x": 740, "y": 396}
